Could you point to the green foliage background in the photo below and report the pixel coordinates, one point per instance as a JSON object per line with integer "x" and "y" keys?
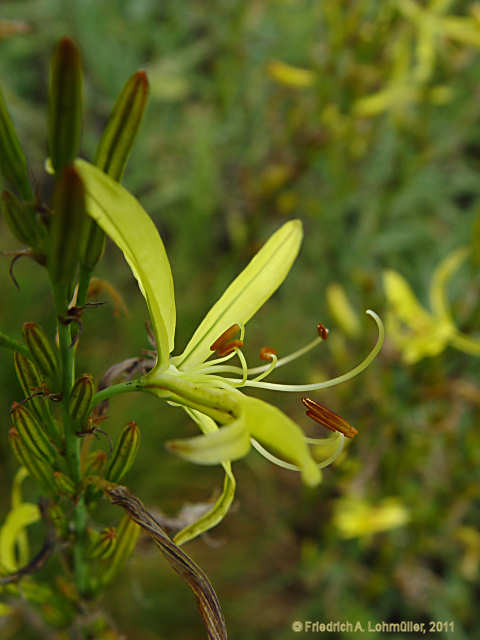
{"x": 225, "y": 154}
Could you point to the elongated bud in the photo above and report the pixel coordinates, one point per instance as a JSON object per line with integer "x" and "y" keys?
{"x": 20, "y": 218}
{"x": 37, "y": 467}
{"x": 12, "y": 159}
{"x": 125, "y": 453}
{"x": 41, "y": 349}
{"x": 103, "y": 544}
{"x": 32, "y": 433}
{"x": 68, "y": 228}
{"x": 31, "y": 384}
{"x": 81, "y": 398}
{"x": 117, "y": 140}
{"x": 96, "y": 463}
{"x": 64, "y": 484}
{"x": 127, "y": 536}
{"x": 65, "y": 104}
{"x": 58, "y": 519}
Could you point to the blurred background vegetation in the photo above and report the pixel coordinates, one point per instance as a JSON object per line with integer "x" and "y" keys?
{"x": 362, "y": 118}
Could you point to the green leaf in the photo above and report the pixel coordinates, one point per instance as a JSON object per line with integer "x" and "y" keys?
{"x": 247, "y": 293}
{"x": 218, "y": 511}
{"x": 122, "y": 218}
{"x": 17, "y": 519}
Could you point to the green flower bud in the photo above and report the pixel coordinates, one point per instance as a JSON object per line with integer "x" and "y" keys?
{"x": 127, "y": 536}
{"x": 21, "y": 220}
{"x": 102, "y": 544}
{"x": 12, "y": 159}
{"x": 64, "y": 484}
{"x": 59, "y": 520}
{"x": 65, "y": 104}
{"x": 68, "y": 227}
{"x": 124, "y": 453}
{"x": 30, "y": 381}
{"x": 41, "y": 349}
{"x": 81, "y": 398}
{"x": 37, "y": 467}
{"x": 32, "y": 433}
{"x": 96, "y": 463}
{"x": 117, "y": 140}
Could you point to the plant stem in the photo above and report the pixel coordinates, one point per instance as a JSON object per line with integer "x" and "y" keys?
{"x": 115, "y": 390}
{"x": 72, "y": 441}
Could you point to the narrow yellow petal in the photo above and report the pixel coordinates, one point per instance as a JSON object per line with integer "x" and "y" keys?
{"x": 17, "y": 519}
{"x": 122, "y": 218}
{"x": 247, "y": 293}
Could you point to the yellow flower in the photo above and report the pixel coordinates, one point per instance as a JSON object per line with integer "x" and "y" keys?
{"x": 419, "y": 333}
{"x": 209, "y": 389}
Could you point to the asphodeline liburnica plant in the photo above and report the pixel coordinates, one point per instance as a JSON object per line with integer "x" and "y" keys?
{"x": 53, "y": 425}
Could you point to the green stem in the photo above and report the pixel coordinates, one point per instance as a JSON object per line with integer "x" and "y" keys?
{"x": 117, "y": 389}
{"x": 72, "y": 442}
{"x": 10, "y": 343}
{"x": 83, "y": 284}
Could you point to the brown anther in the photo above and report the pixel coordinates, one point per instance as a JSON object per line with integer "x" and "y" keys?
{"x": 328, "y": 418}
{"x": 266, "y": 353}
{"x": 224, "y": 344}
{"x": 322, "y": 331}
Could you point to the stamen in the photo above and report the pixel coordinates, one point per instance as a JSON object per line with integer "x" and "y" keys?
{"x": 224, "y": 344}
{"x": 325, "y": 444}
{"x": 294, "y": 388}
{"x": 328, "y": 418}
{"x": 322, "y": 331}
{"x": 243, "y": 362}
{"x": 266, "y": 353}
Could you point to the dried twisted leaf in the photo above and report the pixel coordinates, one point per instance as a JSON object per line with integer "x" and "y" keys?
{"x": 180, "y": 562}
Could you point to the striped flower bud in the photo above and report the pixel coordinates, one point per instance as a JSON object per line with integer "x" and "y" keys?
{"x": 103, "y": 544}
{"x": 32, "y": 433}
{"x": 117, "y": 140}
{"x": 124, "y": 453}
{"x": 42, "y": 351}
{"x": 65, "y": 104}
{"x": 127, "y": 537}
{"x": 81, "y": 398}
{"x": 96, "y": 463}
{"x": 58, "y": 518}
{"x": 30, "y": 381}
{"x": 68, "y": 227}
{"x": 21, "y": 220}
{"x": 37, "y": 467}
{"x": 64, "y": 484}
{"x": 12, "y": 159}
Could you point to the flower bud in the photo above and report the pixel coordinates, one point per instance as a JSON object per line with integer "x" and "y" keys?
{"x": 41, "y": 349}
{"x": 117, "y": 140}
{"x": 81, "y": 398}
{"x": 96, "y": 463}
{"x": 32, "y": 433}
{"x": 125, "y": 453}
{"x": 30, "y": 381}
{"x": 21, "y": 220}
{"x": 58, "y": 518}
{"x": 37, "y": 467}
{"x": 64, "y": 484}
{"x": 12, "y": 159}
{"x": 65, "y": 104}
{"x": 127, "y": 536}
{"x": 103, "y": 544}
{"x": 68, "y": 227}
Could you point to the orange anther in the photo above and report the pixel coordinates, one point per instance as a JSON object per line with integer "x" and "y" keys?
{"x": 222, "y": 341}
{"x": 266, "y": 353}
{"x": 328, "y": 419}
{"x": 322, "y": 331}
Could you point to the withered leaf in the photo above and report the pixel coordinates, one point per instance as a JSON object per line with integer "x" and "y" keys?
{"x": 180, "y": 562}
